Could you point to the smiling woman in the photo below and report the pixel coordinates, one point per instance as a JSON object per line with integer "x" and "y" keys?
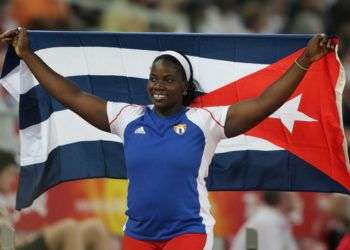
{"x": 168, "y": 147}
{"x": 171, "y": 83}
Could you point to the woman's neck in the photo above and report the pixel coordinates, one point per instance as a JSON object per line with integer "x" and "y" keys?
{"x": 168, "y": 111}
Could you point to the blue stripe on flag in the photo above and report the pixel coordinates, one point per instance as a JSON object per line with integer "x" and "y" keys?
{"x": 36, "y": 105}
{"x": 267, "y": 170}
{"x": 81, "y": 160}
{"x": 11, "y": 62}
{"x": 241, "y": 170}
{"x": 246, "y": 47}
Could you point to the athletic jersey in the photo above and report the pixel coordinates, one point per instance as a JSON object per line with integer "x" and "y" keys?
{"x": 167, "y": 159}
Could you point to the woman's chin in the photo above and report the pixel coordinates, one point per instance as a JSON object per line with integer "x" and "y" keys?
{"x": 161, "y": 108}
{"x": 162, "y": 104}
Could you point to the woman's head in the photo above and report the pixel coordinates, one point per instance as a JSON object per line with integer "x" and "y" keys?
{"x": 171, "y": 82}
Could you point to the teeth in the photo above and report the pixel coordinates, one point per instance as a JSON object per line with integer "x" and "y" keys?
{"x": 158, "y": 96}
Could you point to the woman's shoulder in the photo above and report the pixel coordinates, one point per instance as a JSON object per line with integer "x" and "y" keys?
{"x": 130, "y": 107}
{"x": 209, "y": 112}
{"x": 124, "y": 111}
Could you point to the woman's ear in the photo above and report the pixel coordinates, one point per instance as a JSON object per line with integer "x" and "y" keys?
{"x": 185, "y": 91}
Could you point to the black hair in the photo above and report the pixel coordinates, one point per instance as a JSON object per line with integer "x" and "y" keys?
{"x": 6, "y": 160}
{"x": 191, "y": 87}
{"x": 272, "y": 198}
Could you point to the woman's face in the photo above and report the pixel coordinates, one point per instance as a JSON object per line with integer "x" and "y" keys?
{"x": 166, "y": 86}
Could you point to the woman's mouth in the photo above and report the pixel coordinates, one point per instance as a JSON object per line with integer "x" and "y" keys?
{"x": 158, "y": 96}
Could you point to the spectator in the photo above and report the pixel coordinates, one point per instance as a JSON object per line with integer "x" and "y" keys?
{"x": 271, "y": 221}
{"x": 276, "y": 16}
{"x": 338, "y": 227}
{"x": 306, "y": 17}
{"x": 142, "y": 16}
{"x": 41, "y": 14}
{"x": 255, "y": 16}
{"x": 221, "y": 16}
{"x": 64, "y": 235}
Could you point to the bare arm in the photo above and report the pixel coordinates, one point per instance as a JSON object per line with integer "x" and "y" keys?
{"x": 246, "y": 114}
{"x": 89, "y": 107}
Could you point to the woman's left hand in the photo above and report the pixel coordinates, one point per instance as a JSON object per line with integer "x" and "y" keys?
{"x": 318, "y": 47}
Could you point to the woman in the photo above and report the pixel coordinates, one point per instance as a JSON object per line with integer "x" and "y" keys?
{"x": 168, "y": 148}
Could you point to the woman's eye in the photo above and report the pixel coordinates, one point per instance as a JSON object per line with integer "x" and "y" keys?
{"x": 169, "y": 80}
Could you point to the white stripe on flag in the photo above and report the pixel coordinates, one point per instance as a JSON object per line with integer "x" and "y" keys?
{"x": 245, "y": 142}
{"x": 76, "y": 61}
{"x": 11, "y": 83}
{"x": 65, "y": 127}
{"x": 62, "y": 128}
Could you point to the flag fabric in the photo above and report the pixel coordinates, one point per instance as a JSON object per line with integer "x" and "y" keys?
{"x": 300, "y": 147}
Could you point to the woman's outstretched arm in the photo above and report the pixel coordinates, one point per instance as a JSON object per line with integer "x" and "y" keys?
{"x": 246, "y": 114}
{"x": 89, "y": 107}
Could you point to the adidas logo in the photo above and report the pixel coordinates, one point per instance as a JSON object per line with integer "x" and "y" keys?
{"x": 140, "y": 130}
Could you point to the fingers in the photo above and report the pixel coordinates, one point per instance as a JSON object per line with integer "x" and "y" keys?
{"x": 9, "y": 34}
{"x": 330, "y": 45}
{"x": 15, "y": 37}
{"x": 325, "y": 42}
{"x": 322, "y": 39}
{"x": 12, "y": 34}
{"x": 7, "y": 39}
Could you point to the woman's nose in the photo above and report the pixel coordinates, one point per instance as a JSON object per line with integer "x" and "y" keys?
{"x": 158, "y": 84}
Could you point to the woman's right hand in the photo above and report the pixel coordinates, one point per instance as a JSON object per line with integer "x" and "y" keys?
{"x": 18, "y": 39}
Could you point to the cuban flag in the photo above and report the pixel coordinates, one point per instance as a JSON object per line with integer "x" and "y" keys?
{"x": 300, "y": 147}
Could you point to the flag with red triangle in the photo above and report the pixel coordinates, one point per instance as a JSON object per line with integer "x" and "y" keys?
{"x": 300, "y": 147}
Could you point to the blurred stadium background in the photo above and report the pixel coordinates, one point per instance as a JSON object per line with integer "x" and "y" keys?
{"x": 319, "y": 219}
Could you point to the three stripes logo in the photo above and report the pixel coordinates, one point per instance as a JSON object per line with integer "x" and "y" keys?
{"x": 140, "y": 130}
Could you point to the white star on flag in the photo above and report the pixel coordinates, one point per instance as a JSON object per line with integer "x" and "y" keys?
{"x": 288, "y": 113}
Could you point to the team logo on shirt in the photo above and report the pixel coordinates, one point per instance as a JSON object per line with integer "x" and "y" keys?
{"x": 180, "y": 128}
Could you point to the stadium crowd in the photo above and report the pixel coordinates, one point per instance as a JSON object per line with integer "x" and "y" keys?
{"x": 205, "y": 16}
